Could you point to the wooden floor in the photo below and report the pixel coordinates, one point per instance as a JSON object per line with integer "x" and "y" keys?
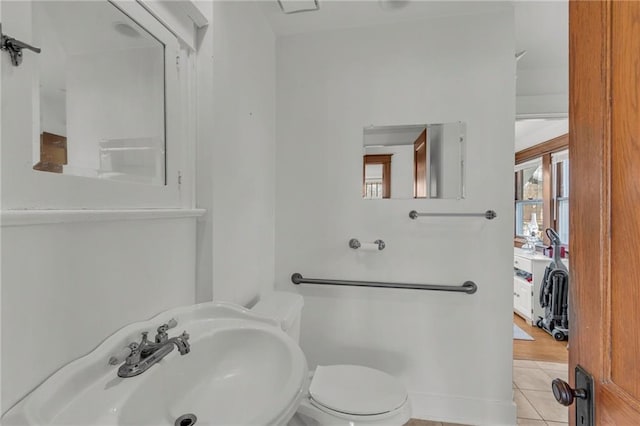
{"x": 544, "y": 348}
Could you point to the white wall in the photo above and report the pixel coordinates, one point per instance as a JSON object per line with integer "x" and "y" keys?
{"x": 236, "y": 165}
{"x": 452, "y": 351}
{"x": 66, "y": 287}
{"x": 450, "y": 157}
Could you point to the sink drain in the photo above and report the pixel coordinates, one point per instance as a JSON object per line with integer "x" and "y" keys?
{"x": 186, "y": 420}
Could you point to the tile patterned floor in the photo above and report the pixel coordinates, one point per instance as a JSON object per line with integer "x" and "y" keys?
{"x": 532, "y": 394}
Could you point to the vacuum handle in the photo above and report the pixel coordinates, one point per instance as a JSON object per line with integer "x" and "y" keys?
{"x": 553, "y": 236}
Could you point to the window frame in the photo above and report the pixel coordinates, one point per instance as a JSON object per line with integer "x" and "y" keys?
{"x": 385, "y": 160}
{"x": 519, "y": 199}
{"x": 542, "y": 152}
{"x": 560, "y": 193}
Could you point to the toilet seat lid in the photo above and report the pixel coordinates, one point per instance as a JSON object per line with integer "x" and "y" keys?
{"x": 356, "y": 390}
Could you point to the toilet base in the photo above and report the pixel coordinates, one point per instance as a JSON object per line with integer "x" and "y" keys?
{"x": 309, "y": 415}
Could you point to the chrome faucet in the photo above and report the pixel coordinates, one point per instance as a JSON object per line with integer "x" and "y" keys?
{"x": 145, "y": 354}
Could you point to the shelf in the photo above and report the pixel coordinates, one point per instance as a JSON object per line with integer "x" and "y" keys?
{"x": 522, "y": 280}
{"x": 42, "y": 217}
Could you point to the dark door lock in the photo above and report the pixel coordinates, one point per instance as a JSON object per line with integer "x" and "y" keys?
{"x": 14, "y": 47}
{"x": 582, "y": 395}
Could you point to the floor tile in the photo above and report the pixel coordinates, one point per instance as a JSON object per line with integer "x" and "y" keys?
{"x": 557, "y": 424}
{"x": 553, "y": 366}
{"x": 546, "y": 405}
{"x": 531, "y": 422}
{"x": 564, "y": 375}
{"x": 524, "y": 407}
{"x": 514, "y": 386}
{"x": 525, "y": 363}
{"x": 531, "y": 379}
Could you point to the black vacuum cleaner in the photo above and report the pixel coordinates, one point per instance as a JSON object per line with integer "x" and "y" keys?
{"x": 554, "y": 294}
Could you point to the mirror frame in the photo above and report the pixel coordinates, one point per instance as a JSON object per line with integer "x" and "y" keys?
{"x": 387, "y": 167}
{"x": 31, "y": 189}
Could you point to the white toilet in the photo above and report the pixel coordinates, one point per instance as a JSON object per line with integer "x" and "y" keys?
{"x": 339, "y": 394}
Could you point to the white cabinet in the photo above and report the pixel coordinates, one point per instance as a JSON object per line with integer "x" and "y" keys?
{"x": 526, "y": 293}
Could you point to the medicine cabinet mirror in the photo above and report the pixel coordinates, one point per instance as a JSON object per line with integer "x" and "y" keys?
{"x": 102, "y": 93}
{"x": 414, "y": 161}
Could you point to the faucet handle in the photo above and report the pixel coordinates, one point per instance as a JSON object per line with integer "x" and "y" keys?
{"x": 129, "y": 351}
{"x": 120, "y": 356}
{"x": 184, "y": 335}
{"x": 134, "y": 357}
{"x": 162, "y": 336}
{"x": 165, "y": 327}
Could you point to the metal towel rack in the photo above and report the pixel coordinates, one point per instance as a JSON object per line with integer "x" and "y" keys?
{"x": 14, "y": 47}
{"x": 468, "y": 287}
{"x": 355, "y": 244}
{"x": 489, "y": 214}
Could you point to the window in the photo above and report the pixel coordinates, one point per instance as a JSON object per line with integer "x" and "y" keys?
{"x": 542, "y": 190}
{"x": 529, "y": 197}
{"x": 376, "y": 176}
{"x": 560, "y": 171}
{"x": 373, "y": 181}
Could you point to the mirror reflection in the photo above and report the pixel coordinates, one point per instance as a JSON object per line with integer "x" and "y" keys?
{"x": 101, "y": 80}
{"x": 413, "y": 161}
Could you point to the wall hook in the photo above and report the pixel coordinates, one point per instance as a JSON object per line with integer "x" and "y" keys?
{"x": 14, "y": 47}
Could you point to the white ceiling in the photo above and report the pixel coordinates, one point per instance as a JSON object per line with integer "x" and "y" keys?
{"x": 392, "y": 135}
{"x": 87, "y": 27}
{"x": 534, "y": 131}
{"x": 541, "y": 28}
{"x": 337, "y": 14}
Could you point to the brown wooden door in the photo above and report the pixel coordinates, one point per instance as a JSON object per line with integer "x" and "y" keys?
{"x": 420, "y": 166}
{"x": 53, "y": 148}
{"x": 604, "y": 152}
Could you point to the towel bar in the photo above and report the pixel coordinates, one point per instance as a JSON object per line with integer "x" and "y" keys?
{"x": 468, "y": 287}
{"x": 489, "y": 214}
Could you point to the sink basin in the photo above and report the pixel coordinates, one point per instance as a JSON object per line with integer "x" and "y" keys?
{"x": 242, "y": 370}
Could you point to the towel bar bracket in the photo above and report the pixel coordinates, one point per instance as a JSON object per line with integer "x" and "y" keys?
{"x": 355, "y": 244}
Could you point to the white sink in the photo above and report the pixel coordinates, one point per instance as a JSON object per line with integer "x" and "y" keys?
{"x": 242, "y": 370}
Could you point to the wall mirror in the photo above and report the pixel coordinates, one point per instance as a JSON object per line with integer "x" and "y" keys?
{"x": 414, "y": 161}
{"x": 102, "y": 93}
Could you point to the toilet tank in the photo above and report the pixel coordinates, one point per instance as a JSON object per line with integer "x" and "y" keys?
{"x": 285, "y": 308}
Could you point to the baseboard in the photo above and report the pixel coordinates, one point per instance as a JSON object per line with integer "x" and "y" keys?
{"x": 470, "y": 411}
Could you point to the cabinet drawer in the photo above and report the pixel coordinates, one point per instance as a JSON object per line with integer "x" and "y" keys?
{"x": 522, "y": 263}
{"x": 525, "y": 299}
